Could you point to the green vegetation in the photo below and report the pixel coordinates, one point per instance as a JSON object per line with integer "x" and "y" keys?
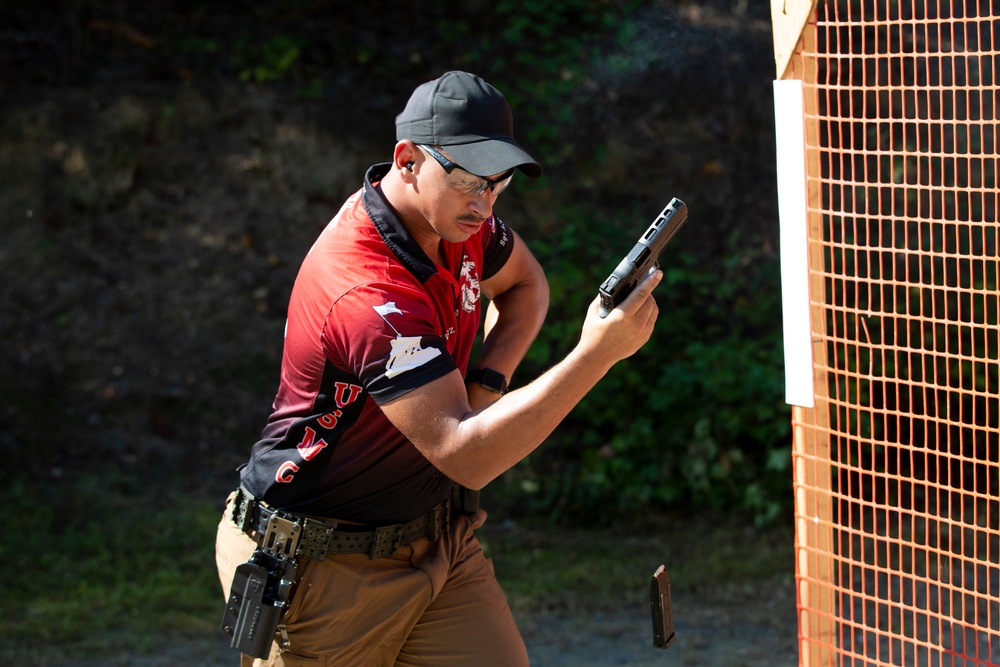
{"x": 99, "y": 561}
{"x": 696, "y": 418}
{"x": 551, "y": 569}
{"x": 269, "y": 61}
{"x": 102, "y": 562}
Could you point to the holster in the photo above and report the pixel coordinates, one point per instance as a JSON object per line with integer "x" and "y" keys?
{"x": 255, "y": 607}
{"x": 260, "y": 592}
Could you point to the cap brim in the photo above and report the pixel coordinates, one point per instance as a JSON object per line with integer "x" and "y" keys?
{"x": 493, "y": 156}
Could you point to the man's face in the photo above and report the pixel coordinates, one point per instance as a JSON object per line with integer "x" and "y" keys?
{"x": 457, "y": 202}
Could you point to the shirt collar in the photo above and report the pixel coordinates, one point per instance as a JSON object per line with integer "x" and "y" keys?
{"x": 396, "y": 236}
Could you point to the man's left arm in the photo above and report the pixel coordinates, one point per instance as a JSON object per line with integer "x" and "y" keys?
{"x": 519, "y": 299}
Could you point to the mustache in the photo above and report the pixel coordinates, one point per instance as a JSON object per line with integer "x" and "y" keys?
{"x": 468, "y": 217}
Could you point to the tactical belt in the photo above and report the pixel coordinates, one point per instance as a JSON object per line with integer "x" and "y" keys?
{"x": 291, "y": 535}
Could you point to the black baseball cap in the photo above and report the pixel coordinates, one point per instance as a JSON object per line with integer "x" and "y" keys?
{"x": 470, "y": 119}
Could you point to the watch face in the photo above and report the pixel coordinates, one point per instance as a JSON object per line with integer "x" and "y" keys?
{"x": 491, "y": 379}
{"x": 491, "y": 383}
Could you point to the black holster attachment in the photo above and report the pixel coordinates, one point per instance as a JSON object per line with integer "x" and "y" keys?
{"x": 465, "y": 500}
{"x": 260, "y": 592}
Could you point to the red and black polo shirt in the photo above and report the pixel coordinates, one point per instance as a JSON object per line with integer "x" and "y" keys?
{"x": 370, "y": 318}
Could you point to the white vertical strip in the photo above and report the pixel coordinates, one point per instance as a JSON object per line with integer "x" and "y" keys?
{"x": 790, "y": 134}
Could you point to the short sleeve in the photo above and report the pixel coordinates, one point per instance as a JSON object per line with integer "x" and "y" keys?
{"x": 498, "y": 243}
{"x": 387, "y": 338}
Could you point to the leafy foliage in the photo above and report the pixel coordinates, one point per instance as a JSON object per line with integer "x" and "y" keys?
{"x": 696, "y": 418}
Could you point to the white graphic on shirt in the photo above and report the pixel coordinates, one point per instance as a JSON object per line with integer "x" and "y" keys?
{"x": 386, "y": 308}
{"x": 498, "y": 225}
{"x": 406, "y": 353}
{"x": 470, "y": 286}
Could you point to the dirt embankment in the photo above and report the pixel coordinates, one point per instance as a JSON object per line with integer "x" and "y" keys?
{"x": 155, "y": 207}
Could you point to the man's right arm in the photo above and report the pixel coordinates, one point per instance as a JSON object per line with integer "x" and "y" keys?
{"x": 472, "y": 447}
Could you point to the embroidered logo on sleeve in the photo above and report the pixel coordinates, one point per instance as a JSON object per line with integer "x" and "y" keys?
{"x": 406, "y": 352}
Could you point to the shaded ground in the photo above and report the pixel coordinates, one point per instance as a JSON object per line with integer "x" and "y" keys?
{"x": 733, "y": 600}
{"x": 736, "y": 632}
{"x": 732, "y": 633}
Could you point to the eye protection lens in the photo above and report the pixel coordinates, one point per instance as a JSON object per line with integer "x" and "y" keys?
{"x": 466, "y": 182}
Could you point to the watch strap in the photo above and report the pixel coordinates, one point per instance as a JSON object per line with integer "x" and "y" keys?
{"x": 488, "y": 379}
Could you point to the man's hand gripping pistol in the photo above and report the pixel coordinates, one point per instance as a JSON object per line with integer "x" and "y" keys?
{"x": 643, "y": 256}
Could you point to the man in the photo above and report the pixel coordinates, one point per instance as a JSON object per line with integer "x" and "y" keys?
{"x": 380, "y": 430}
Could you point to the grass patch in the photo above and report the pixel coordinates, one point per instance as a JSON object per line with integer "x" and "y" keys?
{"x": 95, "y": 563}
{"x": 545, "y": 568}
{"x": 101, "y": 563}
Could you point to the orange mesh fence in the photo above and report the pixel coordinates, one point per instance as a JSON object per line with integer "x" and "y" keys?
{"x": 896, "y": 466}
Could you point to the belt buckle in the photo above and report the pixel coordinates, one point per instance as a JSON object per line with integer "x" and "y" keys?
{"x": 385, "y": 540}
{"x": 281, "y": 537}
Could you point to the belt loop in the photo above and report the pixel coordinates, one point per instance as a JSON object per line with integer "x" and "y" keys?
{"x": 438, "y": 520}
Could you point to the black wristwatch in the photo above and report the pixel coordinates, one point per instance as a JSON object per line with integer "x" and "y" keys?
{"x": 488, "y": 379}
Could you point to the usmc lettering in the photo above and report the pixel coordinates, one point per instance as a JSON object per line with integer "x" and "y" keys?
{"x": 285, "y": 472}
{"x": 311, "y": 445}
{"x": 330, "y": 420}
{"x": 308, "y": 448}
{"x": 345, "y": 393}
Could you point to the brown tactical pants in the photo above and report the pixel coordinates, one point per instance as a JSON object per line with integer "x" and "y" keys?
{"x": 427, "y": 605}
